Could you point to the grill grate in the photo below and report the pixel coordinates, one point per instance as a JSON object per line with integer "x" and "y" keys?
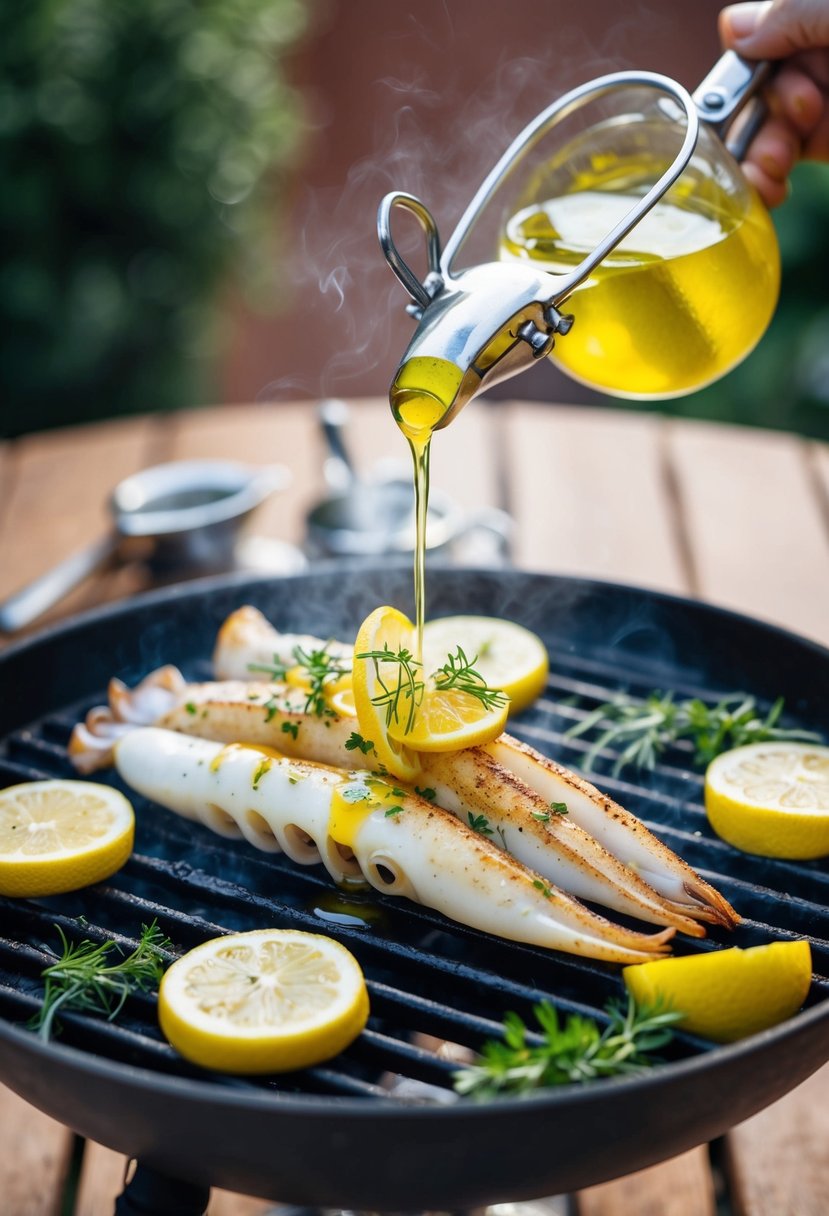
{"x": 429, "y": 980}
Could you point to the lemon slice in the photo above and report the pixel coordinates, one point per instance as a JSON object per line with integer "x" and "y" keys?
{"x": 450, "y": 720}
{"x": 273, "y": 1000}
{"x": 61, "y": 835}
{"x": 771, "y": 799}
{"x": 340, "y": 697}
{"x": 728, "y": 994}
{"x": 383, "y": 627}
{"x": 509, "y": 656}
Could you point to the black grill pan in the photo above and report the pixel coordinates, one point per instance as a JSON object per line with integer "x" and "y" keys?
{"x": 379, "y": 1128}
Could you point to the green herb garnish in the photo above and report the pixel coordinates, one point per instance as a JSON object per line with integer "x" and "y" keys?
{"x": 277, "y": 670}
{"x": 572, "y": 1051}
{"x": 290, "y": 728}
{"x": 428, "y": 793}
{"x": 459, "y": 672}
{"x": 646, "y": 728}
{"x": 394, "y": 810}
{"x": 85, "y": 978}
{"x": 322, "y": 667}
{"x": 191, "y": 707}
{"x": 407, "y": 689}
{"x": 479, "y": 824}
{"x": 262, "y": 767}
{"x": 356, "y": 742}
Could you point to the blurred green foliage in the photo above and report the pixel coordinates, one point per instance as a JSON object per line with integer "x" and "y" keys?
{"x": 138, "y": 144}
{"x": 784, "y": 383}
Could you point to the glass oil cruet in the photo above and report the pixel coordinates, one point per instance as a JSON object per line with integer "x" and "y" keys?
{"x": 638, "y": 220}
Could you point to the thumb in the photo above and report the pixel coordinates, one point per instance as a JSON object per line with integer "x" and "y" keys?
{"x": 774, "y": 29}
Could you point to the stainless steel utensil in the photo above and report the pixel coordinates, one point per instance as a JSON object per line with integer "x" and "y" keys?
{"x": 491, "y": 321}
{"x": 188, "y": 513}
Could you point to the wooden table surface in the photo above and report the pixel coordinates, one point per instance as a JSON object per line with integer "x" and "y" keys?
{"x": 737, "y": 517}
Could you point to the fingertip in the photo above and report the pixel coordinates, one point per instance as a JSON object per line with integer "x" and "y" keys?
{"x": 797, "y": 98}
{"x": 771, "y": 191}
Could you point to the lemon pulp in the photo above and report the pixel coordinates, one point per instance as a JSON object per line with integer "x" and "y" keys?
{"x": 771, "y": 799}
{"x": 61, "y": 835}
{"x": 272, "y": 1000}
{"x": 507, "y": 656}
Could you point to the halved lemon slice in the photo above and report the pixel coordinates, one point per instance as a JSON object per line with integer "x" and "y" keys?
{"x": 507, "y": 655}
{"x": 340, "y": 697}
{"x": 771, "y": 799}
{"x": 728, "y": 994}
{"x": 61, "y": 835}
{"x": 273, "y": 1000}
{"x": 371, "y": 678}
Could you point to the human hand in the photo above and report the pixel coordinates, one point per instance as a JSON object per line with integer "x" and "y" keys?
{"x": 796, "y": 31}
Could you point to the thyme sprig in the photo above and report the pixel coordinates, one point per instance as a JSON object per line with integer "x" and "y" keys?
{"x": 91, "y": 977}
{"x": 321, "y": 668}
{"x": 646, "y": 728}
{"x": 459, "y": 672}
{"x": 575, "y": 1050}
{"x": 401, "y": 694}
{"x": 405, "y": 693}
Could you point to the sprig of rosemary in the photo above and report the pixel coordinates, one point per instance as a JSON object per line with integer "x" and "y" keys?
{"x": 575, "y": 1050}
{"x": 86, "y": 979}
{"x": 408, "y": 688}
{"x": 646, "y": 728}
{"x": 459, "y": 672}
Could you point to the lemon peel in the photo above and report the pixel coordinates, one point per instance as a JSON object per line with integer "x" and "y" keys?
{"x": 271, "y": 1000}
{"x": 771, "y": 799}
{"x": 728, "y": 994}
{"x": 61, "y": 835}
{"x": 507, "y": 655}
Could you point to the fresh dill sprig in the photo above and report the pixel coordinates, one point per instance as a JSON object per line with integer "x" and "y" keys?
{"x": 646, "y": 728}
{"x": 407, "y": 688}
{"x": 459, "y": 672}
{"x": 277, "y": 670}
{"x": 321, "y": 668}
{"x": 574, "y": 1050}
{"x": 97, "y": 978}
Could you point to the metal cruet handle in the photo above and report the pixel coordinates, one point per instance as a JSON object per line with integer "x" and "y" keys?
{"x": 493, "y": 320}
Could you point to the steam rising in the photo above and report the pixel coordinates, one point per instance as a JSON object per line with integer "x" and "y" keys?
{"x": 433, "y": 139}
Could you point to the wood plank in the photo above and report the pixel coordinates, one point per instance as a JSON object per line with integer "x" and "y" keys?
{"x": 778, "y": 1163}
{"x": 102, "y": 1181}
{"x": 60, "y": 482}
{"x": 679, "y": 1187}
{"x": 34, "y": 1160}
{"x": 589, "y": 496}
{"x": 754, "y": 522}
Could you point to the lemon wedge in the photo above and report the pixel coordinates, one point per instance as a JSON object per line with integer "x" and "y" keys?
{"x": 385, "y": 627}
{"x": 728, "y": 994}
{"x": 273, "y": 1000}
{"x": 61, "y": 835}
{"x": 507, "y": 655}
{"x": 771, "y": 799}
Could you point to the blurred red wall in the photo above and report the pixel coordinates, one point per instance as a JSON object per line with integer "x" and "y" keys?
{"x": 422, "y": 97}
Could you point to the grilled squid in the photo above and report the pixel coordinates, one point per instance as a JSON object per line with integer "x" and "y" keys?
{"x": 472, "y": 784}
{"x": 362, "y": 827}
{"x": 246, "y": 636}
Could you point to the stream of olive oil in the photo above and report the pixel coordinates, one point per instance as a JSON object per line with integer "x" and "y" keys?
{"x": 423, "y": 391}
